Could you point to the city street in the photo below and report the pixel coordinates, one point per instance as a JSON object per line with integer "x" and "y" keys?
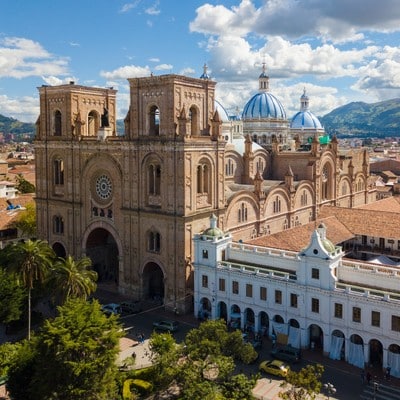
{"x": 346, "y": 379}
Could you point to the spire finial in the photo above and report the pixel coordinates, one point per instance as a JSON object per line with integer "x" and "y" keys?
{"x": 205, "y": 74}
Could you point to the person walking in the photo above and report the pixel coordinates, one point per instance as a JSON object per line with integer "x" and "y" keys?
{"x": 368, "y": 378}
{"x": 387, "y": 373}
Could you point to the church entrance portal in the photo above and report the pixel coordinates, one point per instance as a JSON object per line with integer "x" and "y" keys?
{"x": 153, "y": 282}
{"x": 102, "y": 249}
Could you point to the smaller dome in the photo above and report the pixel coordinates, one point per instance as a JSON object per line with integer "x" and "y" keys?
{"x": 213, "y": 232}
{"x": 328, "y": 246}
{"x": 305, "y": 120}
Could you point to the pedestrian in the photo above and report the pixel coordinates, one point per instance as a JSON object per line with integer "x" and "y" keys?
{"x": 387, "y": 373}
{"x": 369, "y": 377}
{"x": 362, "y": 376}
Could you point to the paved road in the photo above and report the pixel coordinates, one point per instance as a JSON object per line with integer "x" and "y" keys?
{"x": 345, "y": 378}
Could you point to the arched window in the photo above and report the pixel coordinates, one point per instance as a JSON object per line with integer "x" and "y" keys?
{"x": 255, "y": 138}
{"x": 58, "y": 166}
{"x": 57, "y": 123}
{"x": 154, "y": 172}
{"x": 58, "y": 224}
{"x": 325, "y": 183}
{"x": 203, "y": 179}
{"x": 194, "y": 121}
{"x": 242, "y": 214}
{"x": 154, "y": 242}
{"x": 154, "y": 121}
{"x": 303, "y": 198}
{"x": 260, "y": 165}
{"x": 277, "y": 205}
{"x": 229, "y": 168}
{"x": 344, "y": 188}
{"x": 93, "y": 123}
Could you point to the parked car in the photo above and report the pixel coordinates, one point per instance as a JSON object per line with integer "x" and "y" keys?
{"x": 131, "y": 307}
{"x": 166, "y": 325}
{"x": 112, "y": 308}
{"x": 286, "y": 353}
{"x": 274, "y": 367}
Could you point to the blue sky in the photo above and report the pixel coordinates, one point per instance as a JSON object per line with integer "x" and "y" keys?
{"x": 339, "y": 50}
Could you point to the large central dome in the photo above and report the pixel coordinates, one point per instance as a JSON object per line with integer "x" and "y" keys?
{"x": 262, "y": 106}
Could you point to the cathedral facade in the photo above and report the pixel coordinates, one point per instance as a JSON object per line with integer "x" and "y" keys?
{"x": 133, "y": 201}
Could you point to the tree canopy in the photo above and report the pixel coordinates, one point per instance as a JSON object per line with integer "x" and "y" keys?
{"x": 26, "y": 221}
{"x": 303, "y": 385}
{"x": 73, "y": 357}
{"x": 203, "y": 365}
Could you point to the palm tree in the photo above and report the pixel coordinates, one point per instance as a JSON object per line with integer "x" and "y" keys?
{"x": 31, "y": 260}
{"x": 74, "y": 278}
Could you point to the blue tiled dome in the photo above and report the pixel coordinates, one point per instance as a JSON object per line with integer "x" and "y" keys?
{"x": 263, "y": 105}
{"x": 223, "y": 115}
{"x": 305, "y": 120}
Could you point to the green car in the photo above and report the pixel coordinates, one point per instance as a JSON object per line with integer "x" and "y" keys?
{"x": 166, "y": 325}
{"x": 274, "y": 367}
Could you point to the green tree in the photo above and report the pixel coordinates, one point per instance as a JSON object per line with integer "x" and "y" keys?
{"x": 26, "y": 222}
{"x": 31, "y": 260}
{"x": 8, "y": 356}
{"x": 74, "y": 278}
{"x": 203, "y": 365}
{"x": 23, "y": 185}
{"x": 12, "y": 297}
{"x": 212, "y": 338}
{"x": 73, "y": 356}
{"x": 302, "y": 385}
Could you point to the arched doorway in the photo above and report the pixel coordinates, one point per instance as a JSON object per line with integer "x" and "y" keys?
{"x": 356, "y": 351}
{"x": 222, "y": 311}
{"x": 153, "y": 282}
{"x": 102, "y": 249}
{"x": 263, "y": 323}
{"x": 249, "y": 320}
{"x": 338, "y": 349}
{"x": 59, "y": 249}
{"x": 316, "y": 337}
{"x": 375, "y": 353}
{"x": 236, "y": 317}
{"x": 205, "y": 308}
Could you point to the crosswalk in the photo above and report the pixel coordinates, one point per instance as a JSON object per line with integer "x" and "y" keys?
{"x": 380, "y": 392}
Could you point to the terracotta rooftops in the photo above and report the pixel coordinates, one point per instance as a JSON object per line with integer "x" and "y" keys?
{"x": 297, "y": 238}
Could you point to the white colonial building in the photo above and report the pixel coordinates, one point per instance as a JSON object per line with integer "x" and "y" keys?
{"x": 315, "y": 298}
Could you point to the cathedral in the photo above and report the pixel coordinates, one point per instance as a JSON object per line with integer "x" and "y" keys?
{"x": 132, "y": 201}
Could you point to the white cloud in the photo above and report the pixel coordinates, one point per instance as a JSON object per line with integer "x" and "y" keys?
{"x": 187, "y": 71}
{"x": 163, "y": 67}
{"x": 128, "y": 71}
{"x": 22, "y": 58}
{"x": 335, "y": 20}
{"x": 129, "y": 6}
{"x": 153, "y": 10}
{"x": 154, "y": 59}
{"x": 54, "y": 80}
{"x": 25, "y": 109}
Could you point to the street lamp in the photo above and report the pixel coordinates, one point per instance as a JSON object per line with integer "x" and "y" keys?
{"x": 330, "y": 389}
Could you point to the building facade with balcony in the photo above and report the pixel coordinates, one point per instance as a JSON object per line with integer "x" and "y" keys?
{"x": 313, "y": 298}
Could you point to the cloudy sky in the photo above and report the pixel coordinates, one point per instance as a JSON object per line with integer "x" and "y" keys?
{"x": 339, "y": 50}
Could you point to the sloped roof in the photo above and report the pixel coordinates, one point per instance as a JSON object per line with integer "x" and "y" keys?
{"x": 365, "y": 221}
{"x": 297, "y": 238}
{"x": 390, "y": 204}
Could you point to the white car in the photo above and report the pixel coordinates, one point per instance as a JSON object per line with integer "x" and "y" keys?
{"x": 112, "y": 308}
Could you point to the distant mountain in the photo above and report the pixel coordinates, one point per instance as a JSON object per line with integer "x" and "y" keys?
{"x": 16, "y": 128}
{"x": 362, "y": 119}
